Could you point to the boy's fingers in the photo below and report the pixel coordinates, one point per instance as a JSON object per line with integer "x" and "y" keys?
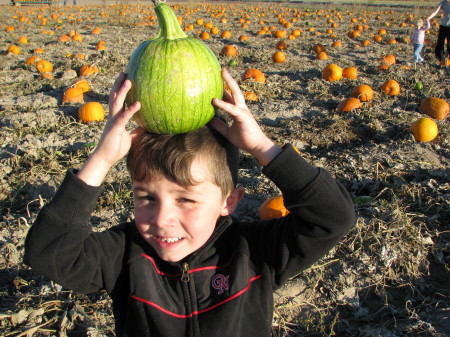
{"x": 117, "y": 84}
{"x": 137, "y": 132}
{"x": 227, "y": 97}
{"x": 219, "y": 125}
{"x": 236, "y": 93}
{"x": 118, "y": 100}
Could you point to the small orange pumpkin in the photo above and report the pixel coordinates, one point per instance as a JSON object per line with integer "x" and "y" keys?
{"x": 204, "y": 36}
{"x": 279, "y": 57}
{"x": 73, "y": 95}
{"x": 363, "y": 92}
{"x": 32, "y": 59}
{"x": 88, "y": 70}
{"x": 91, "y": 112}
{"x": 250, "y": 96}
{"x": 281, "y": 45}
{"x": 434, "y": 107}
{"x": 13, "y": 50}
{"x": 332, "y": 72}
{"x": 391, "y": 87}
{"x": 229, "y": 50}
{"x": 389, "y": 59}
{"x": 226, "y": 34}
{"x": 44, "y": 66}
{"x": 350, "y": 73}
{"x": 273, "y": 208}
{"x": 82, "y": 84}
{"x": 349, "y": 104}
{"x": 255, "y": 75}
{"x": 424, "y": 129}
{"x": 317, "y": 48}
{"x": 322, "y": 55}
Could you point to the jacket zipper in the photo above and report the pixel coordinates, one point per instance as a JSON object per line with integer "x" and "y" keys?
{"x": 185, "y": 274}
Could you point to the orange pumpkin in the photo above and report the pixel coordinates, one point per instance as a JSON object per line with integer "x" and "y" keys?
{"x": 322, "y": 56}
{"x": 389, "y": 59}
{"x": 88, "y": 70}
{"x": 91, "y": 112}
{"x": 353, "y": 34}
{"x": 32, "y": 59}
{"x": 279, "y": 57}
{"x": 73, "y": 95}
{"x": 273, "y": 208}
{"x": 349, "y": 104}
{"x": 378, "y": 38}
{"x": 204, "y": 36}
{"x": 363, "y": 92}
{"x": 391, "y": 87}
{"x": 424, "y": 129}
{"x": 350, "y": 73}
{"x": 13, "y": 50}
{"x": 250, "y": 96}
{"x": 281, "y": 45}
{"x": 280, "y": 34}
{"x": 435, "y": 107}
{"x": 226, "y": 34}
{"x": 82, "y": 84}
{"x": 317, "y": 48}
{"x": 22, "y": 40}
{"x": 44, "y": 66}
{"x": 229, "y": 50}
{"x": 332, "y": 72}
{"x": 255, "y": 75}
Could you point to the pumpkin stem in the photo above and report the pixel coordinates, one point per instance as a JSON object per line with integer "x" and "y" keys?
{"x": 169, "y": 28}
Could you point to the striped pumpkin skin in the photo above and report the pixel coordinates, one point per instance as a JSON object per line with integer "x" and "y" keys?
{"x": 175, "y": 78}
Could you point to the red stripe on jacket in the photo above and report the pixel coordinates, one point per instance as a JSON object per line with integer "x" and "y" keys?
{"x": 190, "y": 271}
{"x": 200, "y": 311}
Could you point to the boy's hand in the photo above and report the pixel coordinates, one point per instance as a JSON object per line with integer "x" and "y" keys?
{"x": 115, "y": 140}
{"x": 244, "y": 132}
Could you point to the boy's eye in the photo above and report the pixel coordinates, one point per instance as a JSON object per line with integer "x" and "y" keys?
{"x": 185, "y": 200}
{"x": 146, "y": 197}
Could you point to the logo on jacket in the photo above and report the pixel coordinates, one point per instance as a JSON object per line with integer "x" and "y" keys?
{"x": 220, "y": 283}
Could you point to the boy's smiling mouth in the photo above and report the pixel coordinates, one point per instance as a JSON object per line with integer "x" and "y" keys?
{"x": 167, "y": 239}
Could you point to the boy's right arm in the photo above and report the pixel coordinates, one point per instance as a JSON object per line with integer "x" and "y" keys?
{"x": 115, "y": 141}
{"x": 60, "y": 244}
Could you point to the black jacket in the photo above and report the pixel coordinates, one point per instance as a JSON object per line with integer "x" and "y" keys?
{"x": 225, "y": 288}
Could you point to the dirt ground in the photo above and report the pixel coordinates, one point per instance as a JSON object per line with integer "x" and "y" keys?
{"x": 389, "y": 276}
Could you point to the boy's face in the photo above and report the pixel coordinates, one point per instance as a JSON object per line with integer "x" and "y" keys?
{"x": 174, "y": 220}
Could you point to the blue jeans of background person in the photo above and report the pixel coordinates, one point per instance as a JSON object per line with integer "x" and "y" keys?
{"x": 417, "y": 49}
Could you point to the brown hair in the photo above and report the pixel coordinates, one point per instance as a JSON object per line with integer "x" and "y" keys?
{"x": 172, "y": 156}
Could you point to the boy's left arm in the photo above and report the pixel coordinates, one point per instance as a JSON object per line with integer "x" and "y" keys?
{"x": 321, "y": 210}
{"x": 321, "y": 213}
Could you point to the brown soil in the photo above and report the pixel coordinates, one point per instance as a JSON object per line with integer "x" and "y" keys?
{"x": 390, "y": 275}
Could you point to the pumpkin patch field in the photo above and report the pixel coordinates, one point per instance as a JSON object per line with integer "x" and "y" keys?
{"x": 337, "y": 81}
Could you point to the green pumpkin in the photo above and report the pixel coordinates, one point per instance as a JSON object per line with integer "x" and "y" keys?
{"x": 175, "y": 78}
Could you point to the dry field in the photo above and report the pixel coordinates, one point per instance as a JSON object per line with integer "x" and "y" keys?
{"x": 389, "y": 277}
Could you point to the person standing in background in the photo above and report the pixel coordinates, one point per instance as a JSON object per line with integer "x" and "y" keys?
{"x": 418, "y": 37}
{"x": 444, "y": 30}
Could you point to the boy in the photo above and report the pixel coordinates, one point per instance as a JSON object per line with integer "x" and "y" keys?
{"x": 184, "y": 267}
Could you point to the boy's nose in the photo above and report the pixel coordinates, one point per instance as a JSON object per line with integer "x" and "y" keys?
{"x": 163, "y": 215}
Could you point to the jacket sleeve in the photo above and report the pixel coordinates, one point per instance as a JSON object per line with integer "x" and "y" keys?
{"x": 321, "y": 213}
{"x": 62, "y": 246}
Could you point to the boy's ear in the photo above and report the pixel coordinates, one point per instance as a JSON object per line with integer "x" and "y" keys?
{"x": 232, "y": 201}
